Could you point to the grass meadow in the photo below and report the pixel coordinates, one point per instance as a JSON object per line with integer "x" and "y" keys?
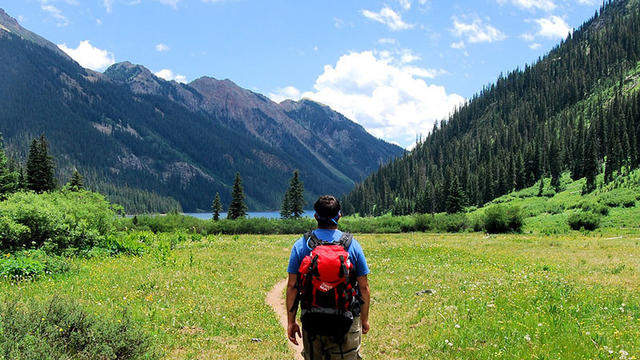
{"x": 434, "y": 296}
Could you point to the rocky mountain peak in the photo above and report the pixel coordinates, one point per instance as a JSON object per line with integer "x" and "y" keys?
{"x": 137, "y": 77}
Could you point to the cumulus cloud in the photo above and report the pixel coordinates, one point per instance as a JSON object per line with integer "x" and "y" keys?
{"x": 89, "y": 56}
{"x": 545, "y": 5}
{"x": 56, "y": 13}
{"x": 388, "y": 17}
{"x": 477, "y": 31}
{"x": 390, "y": 100}
{"x": 162, "y": 47}
{"x": 169, "y": 75}
{"x": 289, "y": 92}
{"x": 553, "y": 27}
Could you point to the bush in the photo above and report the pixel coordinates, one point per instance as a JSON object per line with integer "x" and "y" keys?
{"x": 595, "y": 207}
{"x": 501, "y": 219}
{"x": 61, "y": 329}
{"x": 31, "y": 264}
{"x": 619, "y": 197}
{"x": 423, "y": 222}
{"x": 57, "y": 221}
{"x": 450, "y": 222}
{"x": 584, "y": 220}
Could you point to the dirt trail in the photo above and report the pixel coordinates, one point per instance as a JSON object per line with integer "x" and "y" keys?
{"x": 276, "y": 301}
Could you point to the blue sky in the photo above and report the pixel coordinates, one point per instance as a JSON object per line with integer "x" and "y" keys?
{"x": 394, "y": 66}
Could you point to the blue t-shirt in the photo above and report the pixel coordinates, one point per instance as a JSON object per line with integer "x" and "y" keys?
{"x": 301, "y": 249}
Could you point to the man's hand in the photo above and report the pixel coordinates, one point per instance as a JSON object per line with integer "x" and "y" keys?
{"x": 365, "y": 326}
{"x": 292, "y": 330}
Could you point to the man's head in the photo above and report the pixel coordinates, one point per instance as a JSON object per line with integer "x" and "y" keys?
{"x": 327, "y": 209}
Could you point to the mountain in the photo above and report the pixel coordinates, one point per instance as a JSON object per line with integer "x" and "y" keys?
{"x": 576, "y": 109}
{"x": 152, "y": 143}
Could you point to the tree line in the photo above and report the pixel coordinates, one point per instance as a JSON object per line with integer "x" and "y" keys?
{"x": 292, "y": 200}
{"x": 577, "y": 110}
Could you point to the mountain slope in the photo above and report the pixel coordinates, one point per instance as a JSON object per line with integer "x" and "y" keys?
{"x": 571, "y": 110}
{"x": 128, "y": 129}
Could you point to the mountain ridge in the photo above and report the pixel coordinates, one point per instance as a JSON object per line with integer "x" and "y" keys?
{"x": 129, "y": 129}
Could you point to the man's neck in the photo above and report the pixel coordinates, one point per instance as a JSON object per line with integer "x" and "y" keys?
{"x": 328, "y": 227}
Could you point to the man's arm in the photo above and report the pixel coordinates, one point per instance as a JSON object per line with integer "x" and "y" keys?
{"x": 292, "y": 327}
{"x": 365, "y": 293}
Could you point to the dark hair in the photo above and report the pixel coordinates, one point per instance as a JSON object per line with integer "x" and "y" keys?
{"x": 327, "y": 207}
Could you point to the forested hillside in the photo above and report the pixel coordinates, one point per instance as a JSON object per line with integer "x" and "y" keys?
{"x": 156, "y": 145}
{"x": 575, "y": 109}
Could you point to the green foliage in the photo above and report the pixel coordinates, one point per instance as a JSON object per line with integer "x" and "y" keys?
{"x": 594, "y": 207}
{"x": 31, "y": 264}
{"x": 584, "y": 220}
{"x": 56, "y": 221}
{"x": 450, "y": 222}
{"x": 502, "y": 219}
{"x": 293, "y": 199}
{"x": 216, "y": 207}
{"x": 76, "y": 183}
{"x": 618, "y": 197}
{"x": 133, "y": 243}
{"x": 62, "y": 329}
{"x": 40, "y": 167}
{"x": 237, "y": 208}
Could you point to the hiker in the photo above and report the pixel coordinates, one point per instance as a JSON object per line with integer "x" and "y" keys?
{"x": 328, "y": 278}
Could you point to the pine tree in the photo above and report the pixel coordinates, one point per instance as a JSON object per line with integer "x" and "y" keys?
{"x": 237, "y": 208}
{"x": 296, "y": 197}
{"x": 455, "y": 198}
{"x": 590, "y": 165}
{"x": 555, "y": 166}
{"x": 216, "y": 207}
{"x": 40, "y": 166}
{"x": 76, "y": 183}
{"x": 285, "y": 209}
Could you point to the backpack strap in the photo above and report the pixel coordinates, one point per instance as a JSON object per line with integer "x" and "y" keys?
{"x": 312, "y": 240}
{"x": 345, "y": 240}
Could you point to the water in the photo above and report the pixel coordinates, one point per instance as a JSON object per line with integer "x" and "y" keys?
{"x": 251, "y": 214}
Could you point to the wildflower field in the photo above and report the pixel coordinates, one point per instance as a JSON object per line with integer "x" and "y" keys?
{"x": 434, "y": 296}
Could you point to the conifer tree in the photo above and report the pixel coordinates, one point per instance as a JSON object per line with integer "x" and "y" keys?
{"x": 216, "y": 207}
{"x": 40, "y": 166}
{"x": 455, "y": 198}
{"x": 237, "y": 208}
{"x": 555, "y": 167}
{"x": 76, "y": 183}
{"x": 296, "y": 196}
{"x": 590, "y": 165}
{"x": 285, "y": 209}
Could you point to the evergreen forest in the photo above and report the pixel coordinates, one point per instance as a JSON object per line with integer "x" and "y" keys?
{"x": 575, "y": 110}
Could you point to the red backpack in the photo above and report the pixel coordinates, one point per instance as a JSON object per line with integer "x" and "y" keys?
{"x": 327, "y": 288}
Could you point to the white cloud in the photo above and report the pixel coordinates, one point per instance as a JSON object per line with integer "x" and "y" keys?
{"x": 108, "y": 5}
{"x": 388, "y": 17}
{"x": 477, "y": 31}
{"x": 289, "y": 92}
{"x": 553, "y": 27}
{"x": 169, "y": 75}
{"x": 387, "y": 41}
{"x": 406, "y": 4}
{"x": 162, "y": 47}
{"x": 587, "y": 2}
{"x": 534, "y": 46}
{"x": 98, "y": 22}
{"x": 545, "y": 5}
{"x": 173, "y": 3}
{"x": 391, "y": 101}
{"x": 457, "y": 45}
{"x": 89, "y": 56}
{"x": 55, "y": 13}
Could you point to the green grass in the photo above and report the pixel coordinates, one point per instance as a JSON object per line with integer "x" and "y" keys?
{"x": 508, "y": 296}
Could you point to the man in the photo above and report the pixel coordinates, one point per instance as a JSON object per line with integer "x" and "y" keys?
{"x": 327, "y": 215}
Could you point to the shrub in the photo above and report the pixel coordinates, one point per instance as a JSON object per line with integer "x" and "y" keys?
{"x": 584, "y": 220}
{"x": 423, "y": 222}
{"x": 501, "y": 219}
{"x": 31, "y": 264}
{"x": 134, "y": 243}
{"x": 57, "y": 221}
{"x": 595, "y": 207}
{"x": 619, "y": 197}
{"x": 450, "y": 222}
{"x": 61, "y": 329}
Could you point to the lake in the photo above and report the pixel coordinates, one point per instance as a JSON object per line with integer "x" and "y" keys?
{"x": 251, "y": 214}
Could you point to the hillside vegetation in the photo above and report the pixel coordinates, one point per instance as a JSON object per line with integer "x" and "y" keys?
{"x": 577, "y": 109}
